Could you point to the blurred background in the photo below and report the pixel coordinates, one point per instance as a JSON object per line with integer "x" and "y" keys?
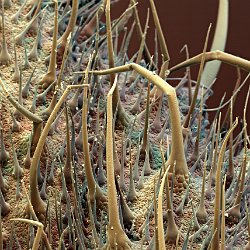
{"x": 186, "y": 22}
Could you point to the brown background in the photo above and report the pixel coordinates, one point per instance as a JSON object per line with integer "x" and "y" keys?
{"x": 186, "y": 22}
